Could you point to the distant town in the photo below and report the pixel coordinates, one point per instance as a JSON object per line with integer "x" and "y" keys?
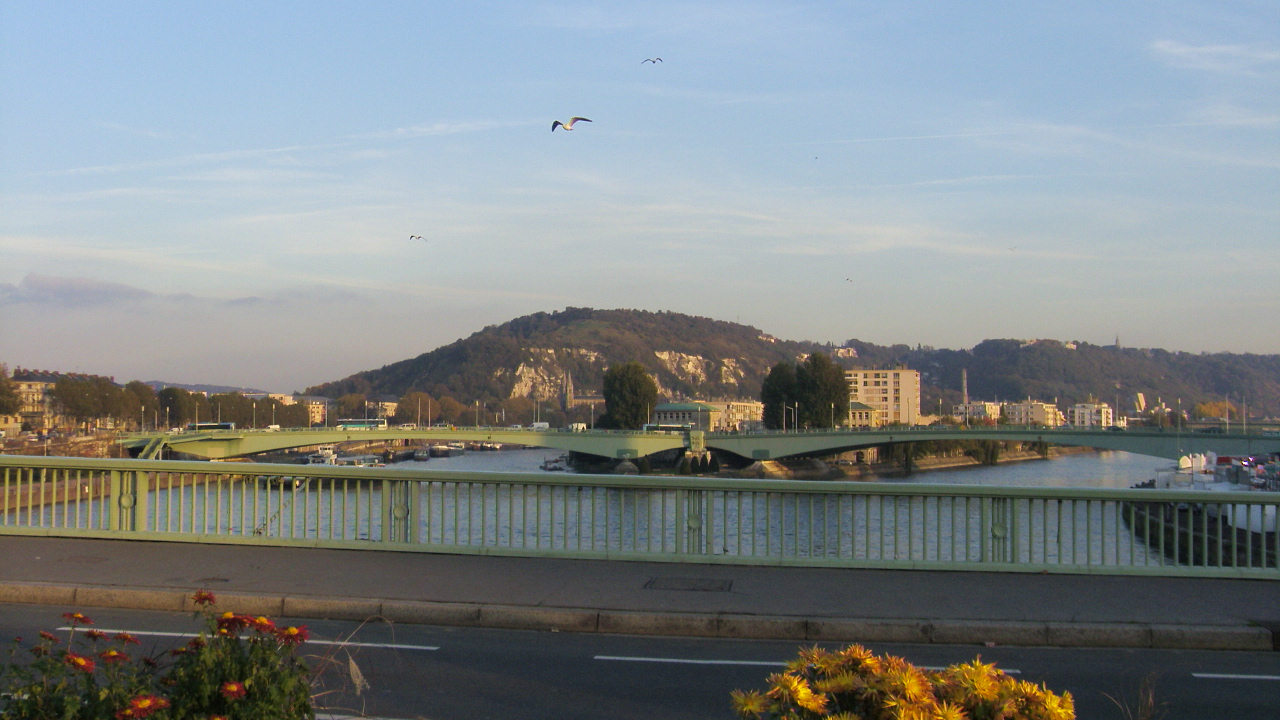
{"x": 876, "y": 398}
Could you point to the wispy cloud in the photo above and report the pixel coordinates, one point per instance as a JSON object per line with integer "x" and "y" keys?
{"x": 194, "y": 159}
{"x": 68, "y": 292}
{"x": 1228, "y": 59}
{"x": 441, "y": 128}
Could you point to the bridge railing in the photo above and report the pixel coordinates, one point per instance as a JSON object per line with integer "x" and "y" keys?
{"x": 700, "y": 520}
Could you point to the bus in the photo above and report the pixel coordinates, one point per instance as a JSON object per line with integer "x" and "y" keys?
{"x": 362, "y": 424}
{"x": 201, "y": 427}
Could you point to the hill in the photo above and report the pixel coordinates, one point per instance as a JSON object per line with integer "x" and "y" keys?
{"x": 695, "y": 357}
{"x": 536, "y": 355}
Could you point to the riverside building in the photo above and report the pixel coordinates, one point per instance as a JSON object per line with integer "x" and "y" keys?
{"x": 893, "y": 395}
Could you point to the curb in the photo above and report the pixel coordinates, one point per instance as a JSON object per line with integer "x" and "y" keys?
{"x": 634, "y": 622}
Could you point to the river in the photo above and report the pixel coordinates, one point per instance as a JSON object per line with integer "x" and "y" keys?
{"x": 1106, "y": 469}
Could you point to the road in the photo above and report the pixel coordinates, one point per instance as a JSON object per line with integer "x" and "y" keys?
{"x": 447, "y": 673}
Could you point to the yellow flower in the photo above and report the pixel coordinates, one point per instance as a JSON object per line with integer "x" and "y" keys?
{"x": 749, "y": 703}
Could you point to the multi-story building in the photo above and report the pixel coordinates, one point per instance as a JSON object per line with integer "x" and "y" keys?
{"x": 383, "y": 407}
{"x": 1091, "y": 415}
{"x": 976, "y": 411}
{"x": 317, "y": 408}
{"x": 697, "y": 415}
{"x": 893, "y": 394}
{"x": 740, "y": 415}
{"x": 1033, "y": 413}
{"x": 36, "y": 409}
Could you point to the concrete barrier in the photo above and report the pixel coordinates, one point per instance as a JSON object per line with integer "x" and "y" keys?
{"x": 978, "y": 632}
{"x": 420, "y": 612}
{"x": 37, "y": 593}
{"x": 331, "y": 608}
{"x": 138, "y": 598}
{"x": 631, "y": 622}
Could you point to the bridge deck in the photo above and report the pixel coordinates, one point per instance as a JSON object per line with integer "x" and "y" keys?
{"x": 761, "y": 446}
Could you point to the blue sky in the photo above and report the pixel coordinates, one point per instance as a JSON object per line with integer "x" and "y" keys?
{"x": 225, "y": 193}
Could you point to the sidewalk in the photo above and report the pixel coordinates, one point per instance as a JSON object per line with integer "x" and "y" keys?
{"x": 805, "y": 604}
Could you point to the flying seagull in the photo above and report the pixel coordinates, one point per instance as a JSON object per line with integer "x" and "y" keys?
{"x": 655, "y": 61}
{"x": 415, "y": 237}
{"x": 568, "y": 125}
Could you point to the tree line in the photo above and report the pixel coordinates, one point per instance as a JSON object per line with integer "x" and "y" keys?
{"x": 812, "y": 393}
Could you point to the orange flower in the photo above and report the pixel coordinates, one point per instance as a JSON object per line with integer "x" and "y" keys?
{"x": 233, "y": 623}
{"x": 79, "y": 662}
{"x": 94, "y": 634}
{"x": 264, "y": 625}
{"x": 76, "y": 619}
{"x": 293, "y": 635}
{"x": 232, "y": 690}
{"x": 142, "y": 706}
{"x": 125, "y": 638}
{"x": 112, "y": 656}
{"x": 203, "y": 597}
{"x": 49, "y": 636}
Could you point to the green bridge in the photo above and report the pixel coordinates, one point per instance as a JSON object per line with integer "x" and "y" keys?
{"x": 770, "y": 445}
{"x": 649, "y": 518}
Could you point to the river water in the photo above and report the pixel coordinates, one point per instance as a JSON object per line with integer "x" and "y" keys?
{"x": 1106, "y": 469}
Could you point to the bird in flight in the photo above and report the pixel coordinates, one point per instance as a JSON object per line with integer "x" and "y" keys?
{"x": 415, "y": 237}
{"x": 655, "y": 61}
{"x": 568, "y": 125}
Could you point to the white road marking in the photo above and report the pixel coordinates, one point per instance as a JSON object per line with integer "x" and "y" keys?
{"x": 766, "y": 663}
{"x": 1228, "y": 676}
{"x": 687, "y": 661}
{"x": 345, "y": 643}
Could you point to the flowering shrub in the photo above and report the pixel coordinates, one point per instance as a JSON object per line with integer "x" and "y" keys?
{"x": 240, "y": 667}
{"x": 855, "y": 683}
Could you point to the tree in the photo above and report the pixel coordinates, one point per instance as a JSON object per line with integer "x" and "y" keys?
{"x": 451, "y": 411}
{"x": 141, "y": 401}
{"x": 351, "y": 405}
{"x": 10, "y": 402}
{"x": 415, "y": 407}
{"x": 629, "y": 396}
{"x": 177, "y": 405}
{"x": 777, "y": 392}
{"x": 822, "y": 391}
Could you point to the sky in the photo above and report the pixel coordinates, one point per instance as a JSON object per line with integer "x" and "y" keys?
{"x": 226, "y": 192}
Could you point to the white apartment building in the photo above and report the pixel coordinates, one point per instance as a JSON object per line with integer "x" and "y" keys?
{"x": 976, "y": 411}
{"x": 893, "y": 394}
{"x": 1033, "y": 413}
{"x": 1091, "y": 415}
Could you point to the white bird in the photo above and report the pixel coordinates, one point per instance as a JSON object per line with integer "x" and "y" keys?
{"x": 415, "y": 237}
{"x": 568, "y": 125}
{"x": 655, "y": 61}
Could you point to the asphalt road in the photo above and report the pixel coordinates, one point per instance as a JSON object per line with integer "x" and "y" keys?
{"x": 447, "y": 673}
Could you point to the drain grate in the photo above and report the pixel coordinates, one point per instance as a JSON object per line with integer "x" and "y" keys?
{"x": 691, "y": 584}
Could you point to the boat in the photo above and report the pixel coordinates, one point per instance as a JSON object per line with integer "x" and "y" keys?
{"x": 422, "y": 453}
{"x": 450, "y": 450}
{"x": 361, "y": 461}
{"x": 1229, "y": 528}
{"x": 559, "y": 464}
{"x": 324, "y": 455}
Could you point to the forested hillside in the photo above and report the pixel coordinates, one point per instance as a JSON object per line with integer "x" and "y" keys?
{"x": 696, "y": 357}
